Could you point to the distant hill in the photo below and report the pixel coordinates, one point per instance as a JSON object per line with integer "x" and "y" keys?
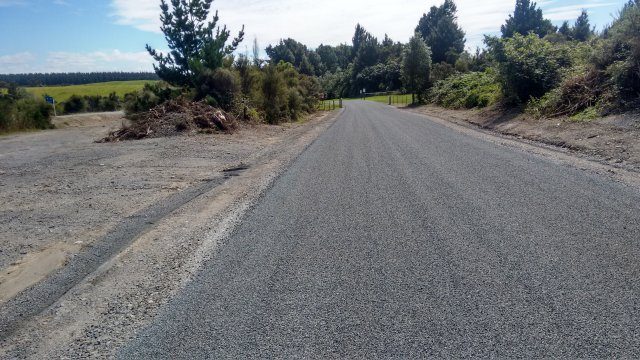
{"x": 59, "y": 79}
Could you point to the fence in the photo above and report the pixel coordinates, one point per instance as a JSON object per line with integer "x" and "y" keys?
{"x": 390, "y": 98}
{"x": 328, "y": 105}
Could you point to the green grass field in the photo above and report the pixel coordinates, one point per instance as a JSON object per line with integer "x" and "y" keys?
{"x": 62, "y": 93}
{"x": 398, "y": 100}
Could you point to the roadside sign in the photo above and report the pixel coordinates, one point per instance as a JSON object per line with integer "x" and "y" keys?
{"x": 51, "y": 101}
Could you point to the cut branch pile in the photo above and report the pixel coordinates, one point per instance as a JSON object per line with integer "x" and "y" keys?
{"x": 579, "y": 93}
{"x": 172, "y": 118}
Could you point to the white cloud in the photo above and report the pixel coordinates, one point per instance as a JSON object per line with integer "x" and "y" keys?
{"x": 17, "y": 63}
{"x": 332, "y": 21}
{"x": 111, "y": 60}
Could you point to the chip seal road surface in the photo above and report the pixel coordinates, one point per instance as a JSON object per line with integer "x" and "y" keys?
{"x": 393, "y": 236}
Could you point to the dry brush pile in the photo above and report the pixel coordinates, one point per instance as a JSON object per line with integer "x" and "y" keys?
{"x": 175, "y": 117}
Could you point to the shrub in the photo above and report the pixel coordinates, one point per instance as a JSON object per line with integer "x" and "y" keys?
{"x": 286, "y": 94}
{"x": 20, "y": 111}
{"x": 441, "y": 71}
{"x": 149, "y": 97}
{"x": 75, "y": 104}
{"x": 470, "y": 90}
{"x": 618, "y": 53}
{"x": 581, "y": 90}
{"x": 274, "y": 92}
{"x": 527, "y": 65}
{"x": 32, "y": 114}
{"x": 220, "y": 84}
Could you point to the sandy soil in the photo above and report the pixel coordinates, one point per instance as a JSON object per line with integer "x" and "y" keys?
{"x": 613, "y": 140}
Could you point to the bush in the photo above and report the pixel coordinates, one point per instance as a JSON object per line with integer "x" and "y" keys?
{"x": 581, "y": 90}
{"x": 274, "y": 92}
{"x": 75, "y": 104}
{"x": 21, "y": 111}
{"x": 441, "y": 71}
{"x": 286, "y": 94}
{"x": 33, "y": 114}
{"x": 528, "y": 66}
{"x": 149, "y": 97}
{"x": 470, "y": 90}
{"x": 618, "y": 53}
{"x": 221, "y": 84}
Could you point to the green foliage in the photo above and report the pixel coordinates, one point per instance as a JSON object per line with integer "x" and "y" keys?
{"x": 439, "y": 29}
{"x": 582, "y": 30}
{"x": 292, "y": 52}
{"x": 416, "y": 65}
{"x": 470, "y": 90}
{"x": 274, "y": 91}
{"x": 527, "y": 65}
{"x": 527, "y": 18}
{"x": 287, "y": 94}
{"x": 441, "y": 71}
{"x": 149, "y": 97}
{"x": 20, "y": 110}
{"x": 75, "y": 104}
{"x": 587, "y": 114}
{"x": 195, "y": 42}
{"x": 222, "y": 85}
{"x": 604, "y": 76}
{"x": 618, "y": 54}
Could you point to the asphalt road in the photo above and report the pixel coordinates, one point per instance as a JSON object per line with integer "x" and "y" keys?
{"x": 395, "y": 237}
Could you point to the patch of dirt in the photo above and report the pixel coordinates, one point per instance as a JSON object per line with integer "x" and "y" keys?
{"x": 614, "y": 140}
{"x": 111, "y": 120}
{"x": 173, "y": 118}
{"x": 33, "y": 268}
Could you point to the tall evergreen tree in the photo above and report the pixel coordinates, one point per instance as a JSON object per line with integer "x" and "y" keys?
{"x": 439, "y": 29}
{"x": 195, "y": 43}
{"x": 359, "y": 37}
{"x": 526, "y": 18}
{"x": 565, "y": 29}
{"x": 416, "y": 64}
{"x": 582, "y": 30}
{"x": 256, "y": 53}
{"x": 328, "y": 57}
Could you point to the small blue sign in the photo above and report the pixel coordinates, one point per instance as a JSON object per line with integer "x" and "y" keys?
{"x": 49, "y": 99}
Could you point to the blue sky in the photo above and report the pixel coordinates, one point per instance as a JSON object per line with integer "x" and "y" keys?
{"x": 109, "y": 35}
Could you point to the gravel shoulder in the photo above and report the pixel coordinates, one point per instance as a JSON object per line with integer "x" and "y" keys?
{"x": 64, "y": 193}
{"x": 612, "y": 140}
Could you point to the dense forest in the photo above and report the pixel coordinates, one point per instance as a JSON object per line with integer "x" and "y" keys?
{"x": 566, "y": 70}
{"x": 56, "y": 79}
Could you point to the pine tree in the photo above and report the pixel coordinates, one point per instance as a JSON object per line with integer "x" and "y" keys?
{"x": 439, "y": 29}
{"x": 195, "y": 43}
{"x": 526, "y": 18}
{"x": 582, "y": 30}
{"x": 416, "y": 64}
{"x": 359, "y": 37}
{"x": 565, "y": 30}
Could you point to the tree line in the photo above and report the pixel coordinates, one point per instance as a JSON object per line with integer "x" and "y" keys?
{"x": 553, "y": 70}
{"x": 76, "y": 78}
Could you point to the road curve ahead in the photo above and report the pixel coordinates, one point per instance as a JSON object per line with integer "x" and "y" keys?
{"x": 395, "y": 237}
